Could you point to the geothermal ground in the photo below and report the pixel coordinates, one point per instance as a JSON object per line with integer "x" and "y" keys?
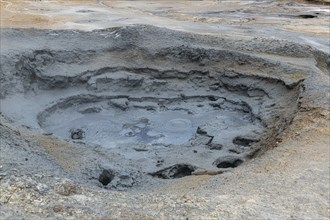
{"x": 164, "y": 110}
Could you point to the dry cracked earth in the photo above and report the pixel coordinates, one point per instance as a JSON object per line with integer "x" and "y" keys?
{"x": 165, "y": 110}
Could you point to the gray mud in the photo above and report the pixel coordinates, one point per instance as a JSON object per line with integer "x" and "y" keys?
{"x": 149, "y": 104}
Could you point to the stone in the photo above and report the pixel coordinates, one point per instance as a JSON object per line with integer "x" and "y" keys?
{"x": 66, "y": 188}
{"x": 77, "y": 134}
{"x": 122, "y": 104}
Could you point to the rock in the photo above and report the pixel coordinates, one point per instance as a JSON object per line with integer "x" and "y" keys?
{"x": 125, "y": 181}
{"x": 66, "y": 188}
{"x": 58, "y": 208}
{"x": 3, "y": 175}
{"x": 90, "y": 110}
{"x": 324, "y": 113}
{"x": 42, "y": 188}
{"x": 201, "y": 131}
{"x": 77, "y": 134}
{"x": 120, "y": 103}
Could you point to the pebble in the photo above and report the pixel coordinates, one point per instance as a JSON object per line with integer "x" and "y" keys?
{"x": 66, "y": 188}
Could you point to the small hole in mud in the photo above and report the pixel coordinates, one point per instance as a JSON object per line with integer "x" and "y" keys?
{"x": 213, "y": 146}
{"x": 106, "y": 177}
{"x": 212, "y": 98}
{"x": 234, "y": 151}
{"x": 307, "y": 16}
{"x": 175, "y": 171}
{"x": 228, "y": 163}
{"x": 245, "y": 142}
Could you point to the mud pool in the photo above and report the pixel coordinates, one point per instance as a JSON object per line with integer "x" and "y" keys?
{"x": 155, "y": 107}
{"x": 158, "y": 123}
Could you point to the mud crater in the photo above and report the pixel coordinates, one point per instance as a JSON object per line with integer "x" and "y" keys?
{"x": 162, "y": 111}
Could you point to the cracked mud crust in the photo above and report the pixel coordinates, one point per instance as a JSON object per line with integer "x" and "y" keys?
{"x": 169, "y": 119}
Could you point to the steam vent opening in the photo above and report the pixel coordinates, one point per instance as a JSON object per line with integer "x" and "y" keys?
{"x": 151, "y": 106}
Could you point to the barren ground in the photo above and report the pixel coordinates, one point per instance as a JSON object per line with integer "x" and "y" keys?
{"x": 45, "y": 177}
